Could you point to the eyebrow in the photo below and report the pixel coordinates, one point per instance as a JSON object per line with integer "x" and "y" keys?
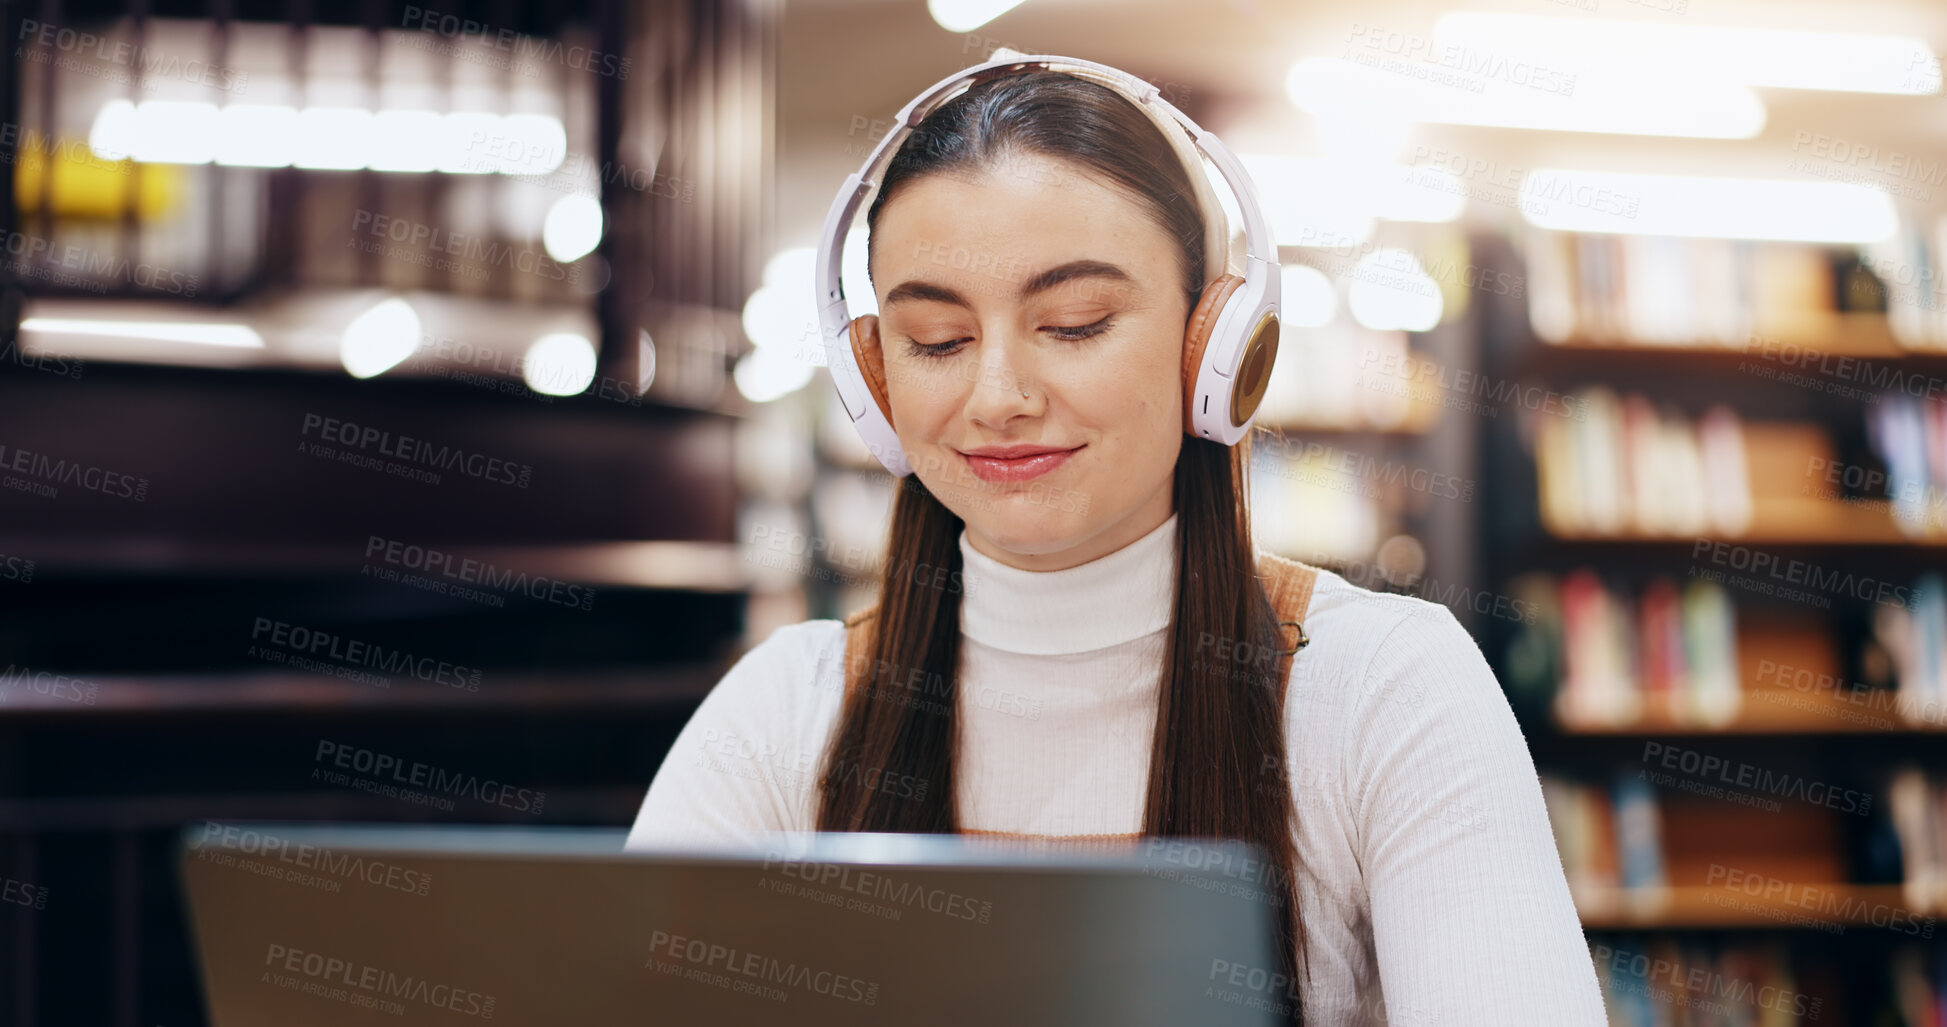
{"x": 1074, "y": 269}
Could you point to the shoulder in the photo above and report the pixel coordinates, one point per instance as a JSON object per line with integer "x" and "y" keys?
{"x": 1383, "y": 661}
{"x": 797, "y": 669}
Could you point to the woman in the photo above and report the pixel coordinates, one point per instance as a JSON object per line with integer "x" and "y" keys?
{"x": 1069, "y": 639}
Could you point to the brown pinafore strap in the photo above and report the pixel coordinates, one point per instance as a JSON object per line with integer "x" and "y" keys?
{"x": 1287, "y": 583}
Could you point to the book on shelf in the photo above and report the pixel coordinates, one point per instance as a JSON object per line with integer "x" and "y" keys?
{"x": 1680, "y": 292}
{"x": 1909, "y": 436}
{"x": 1914, "y": 636}
{"x": 1609, "y": 837}
{"x": 1670, "y": 651}
{"x": 1917, "y": 802}
{"x": 1624, "y": 466}
{"x": 1911, "y": 271}
{"x": 1919, "y": 986}
{"x": 1661, "y": 981}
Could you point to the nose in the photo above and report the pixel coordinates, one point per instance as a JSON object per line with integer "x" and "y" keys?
{"x": 1003, "y": 389}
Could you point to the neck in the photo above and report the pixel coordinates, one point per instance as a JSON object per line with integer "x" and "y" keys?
{"x": 1159, "y": 507}
{"x": 1113, "y": 599}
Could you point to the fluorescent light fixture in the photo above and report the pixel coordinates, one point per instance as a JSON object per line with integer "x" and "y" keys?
{"x": 1849, "y": 62}
{"x": 333, "y": 139}
{"x": 1414, "y": 90}
{"x": 1327, "y": 201}
{"x": 783, "y": 318}
{"x": 763, "y": 375}
{"x": 791, "y": 267}
{"x": 1366, "y": 139}
{"x": 967, "y": 15}
{"x": 573, "y": 228}
{"x": 463, "y": 143}
{"x": 1719, "y": 208}
{"x": 206, "y": 334}
{"x": 379, "y": 339}
{"x": 1302, "y": 210}
{"x": 156, "y": 131}
{"x": 329, "y": 138}
{"x": 782, "y": 314}
{"x": 256, "y": 136}
{"x": 1306, "y": 298}
{"x": 112, "y": 136}
{"x": 1390, "y": 291}
{"x": 852, "y": 276}
{"x": 527, "y": 144}
{"x": 559, "y": 364}
{"x": 407, "y": 140}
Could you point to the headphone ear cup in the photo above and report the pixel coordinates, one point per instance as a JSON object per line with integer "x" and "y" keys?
{"x": 871, "y": 360}
{"x": 1196, "y": 339}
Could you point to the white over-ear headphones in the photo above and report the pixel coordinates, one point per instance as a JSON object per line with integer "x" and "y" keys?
{"x": 1232, "y": 336}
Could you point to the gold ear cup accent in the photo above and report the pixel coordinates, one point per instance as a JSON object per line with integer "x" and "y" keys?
{"x": 871, "y": 360}
{"x": 1196, "y": 337}
{"x": 1254, "y": 371}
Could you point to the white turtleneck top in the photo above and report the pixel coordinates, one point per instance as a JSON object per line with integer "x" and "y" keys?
{"x": 1428, "y": 881}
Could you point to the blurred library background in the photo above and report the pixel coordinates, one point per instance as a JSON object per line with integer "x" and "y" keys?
{"x": 441, "y": 387}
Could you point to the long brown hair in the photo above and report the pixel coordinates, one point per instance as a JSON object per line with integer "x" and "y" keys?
{"x": 1217, "y": 760}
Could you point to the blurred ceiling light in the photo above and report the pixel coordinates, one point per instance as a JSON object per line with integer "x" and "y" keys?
{"x": 967, "y": 15}
{"x": 112, "y": 135}
{"x": 645, "y": 361}
{"x": 206, "y": 334}
{"x": 559, "y": 364}
{"x": 526, "y": 144}
{"x": 852, "y": 275}
{"x": 573, "y": 228}
{"x": 1782, "y": 58}
{"x": 1306, "y": 297}
{"x": 1718, "y": 208}
{"x": 458, "y": 133}
{"x": 763, "y": 375}
{"x": 379, "y": 339}
{"x": 257, "y": 136}
{"x": 1391, "y": 291}
{"x": 329, "y": 138}
{"x": 1300, "y": 213}
{"x": 1327, "y": 201}
{"x": 406, "y": 140}
{"x": 1366, "y": 139}
{"x": 155, "y": 131}
{"x": 782, "y": 314}
{"x": 779, "y": 317}
{"x": 1636, "y": 104}
{"x": 791, "y": 267}
{"x": 334, "y": 139}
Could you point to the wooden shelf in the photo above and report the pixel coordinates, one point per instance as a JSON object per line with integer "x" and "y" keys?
{"x": 1421, "y": 419}
{"x": 648, "y": 688}
{"x": 1771, "y": 711}
{"x": 674, "y": 565}
{"x": 1860, "y": 337}
{"x": 1789, "y": 506}
{"x": 1823, "y": 907}
{"x": 1810, "y": 523}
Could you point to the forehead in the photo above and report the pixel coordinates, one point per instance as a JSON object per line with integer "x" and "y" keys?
{"x": 1001, "y": 223}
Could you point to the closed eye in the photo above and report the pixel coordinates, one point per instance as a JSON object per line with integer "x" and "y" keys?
{"x": 1077, "y": 332}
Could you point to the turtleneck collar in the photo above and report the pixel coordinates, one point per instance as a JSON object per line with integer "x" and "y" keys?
{"x": 1110, "y": 600}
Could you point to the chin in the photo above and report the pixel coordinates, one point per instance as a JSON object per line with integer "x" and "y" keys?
{"x": 1027, "y": 525}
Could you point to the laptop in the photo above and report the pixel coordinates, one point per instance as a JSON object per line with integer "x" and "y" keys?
{"x": 298, "y": 925}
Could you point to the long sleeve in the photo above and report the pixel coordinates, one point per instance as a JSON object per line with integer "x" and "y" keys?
{"x": 1471, "y": 916}
{"x": 745, "y": 764}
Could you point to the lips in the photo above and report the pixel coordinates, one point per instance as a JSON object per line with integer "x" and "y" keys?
{"x": 1015, "y": 463}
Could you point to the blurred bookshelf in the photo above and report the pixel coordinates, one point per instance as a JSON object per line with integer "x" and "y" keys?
{"x": 1726, "y": 540}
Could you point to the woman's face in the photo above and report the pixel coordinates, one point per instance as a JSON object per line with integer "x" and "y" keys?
{"x": 1030, "y": 306}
